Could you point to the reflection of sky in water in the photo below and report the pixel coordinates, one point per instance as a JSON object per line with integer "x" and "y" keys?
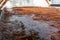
{"x": 40, "y": 26}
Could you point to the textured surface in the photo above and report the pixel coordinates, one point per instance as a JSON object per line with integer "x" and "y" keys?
{"x": 28, "y": 26}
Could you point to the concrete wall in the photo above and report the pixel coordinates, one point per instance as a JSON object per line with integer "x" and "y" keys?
{"x": 23, "y": 3}
{"x": 55, "y": 1}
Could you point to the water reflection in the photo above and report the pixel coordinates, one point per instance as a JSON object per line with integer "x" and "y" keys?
{"x": 42, "y": 27}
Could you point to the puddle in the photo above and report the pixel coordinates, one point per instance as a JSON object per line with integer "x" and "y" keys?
{"x": 42, "y": 27}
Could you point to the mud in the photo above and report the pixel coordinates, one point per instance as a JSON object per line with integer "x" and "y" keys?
{"x": 29, "y": 27}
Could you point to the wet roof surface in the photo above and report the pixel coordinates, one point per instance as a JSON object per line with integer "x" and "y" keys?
{"x": 46, "y": 29}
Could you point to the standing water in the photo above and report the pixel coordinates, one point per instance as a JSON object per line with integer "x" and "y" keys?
{"x": 23, "y": 27}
